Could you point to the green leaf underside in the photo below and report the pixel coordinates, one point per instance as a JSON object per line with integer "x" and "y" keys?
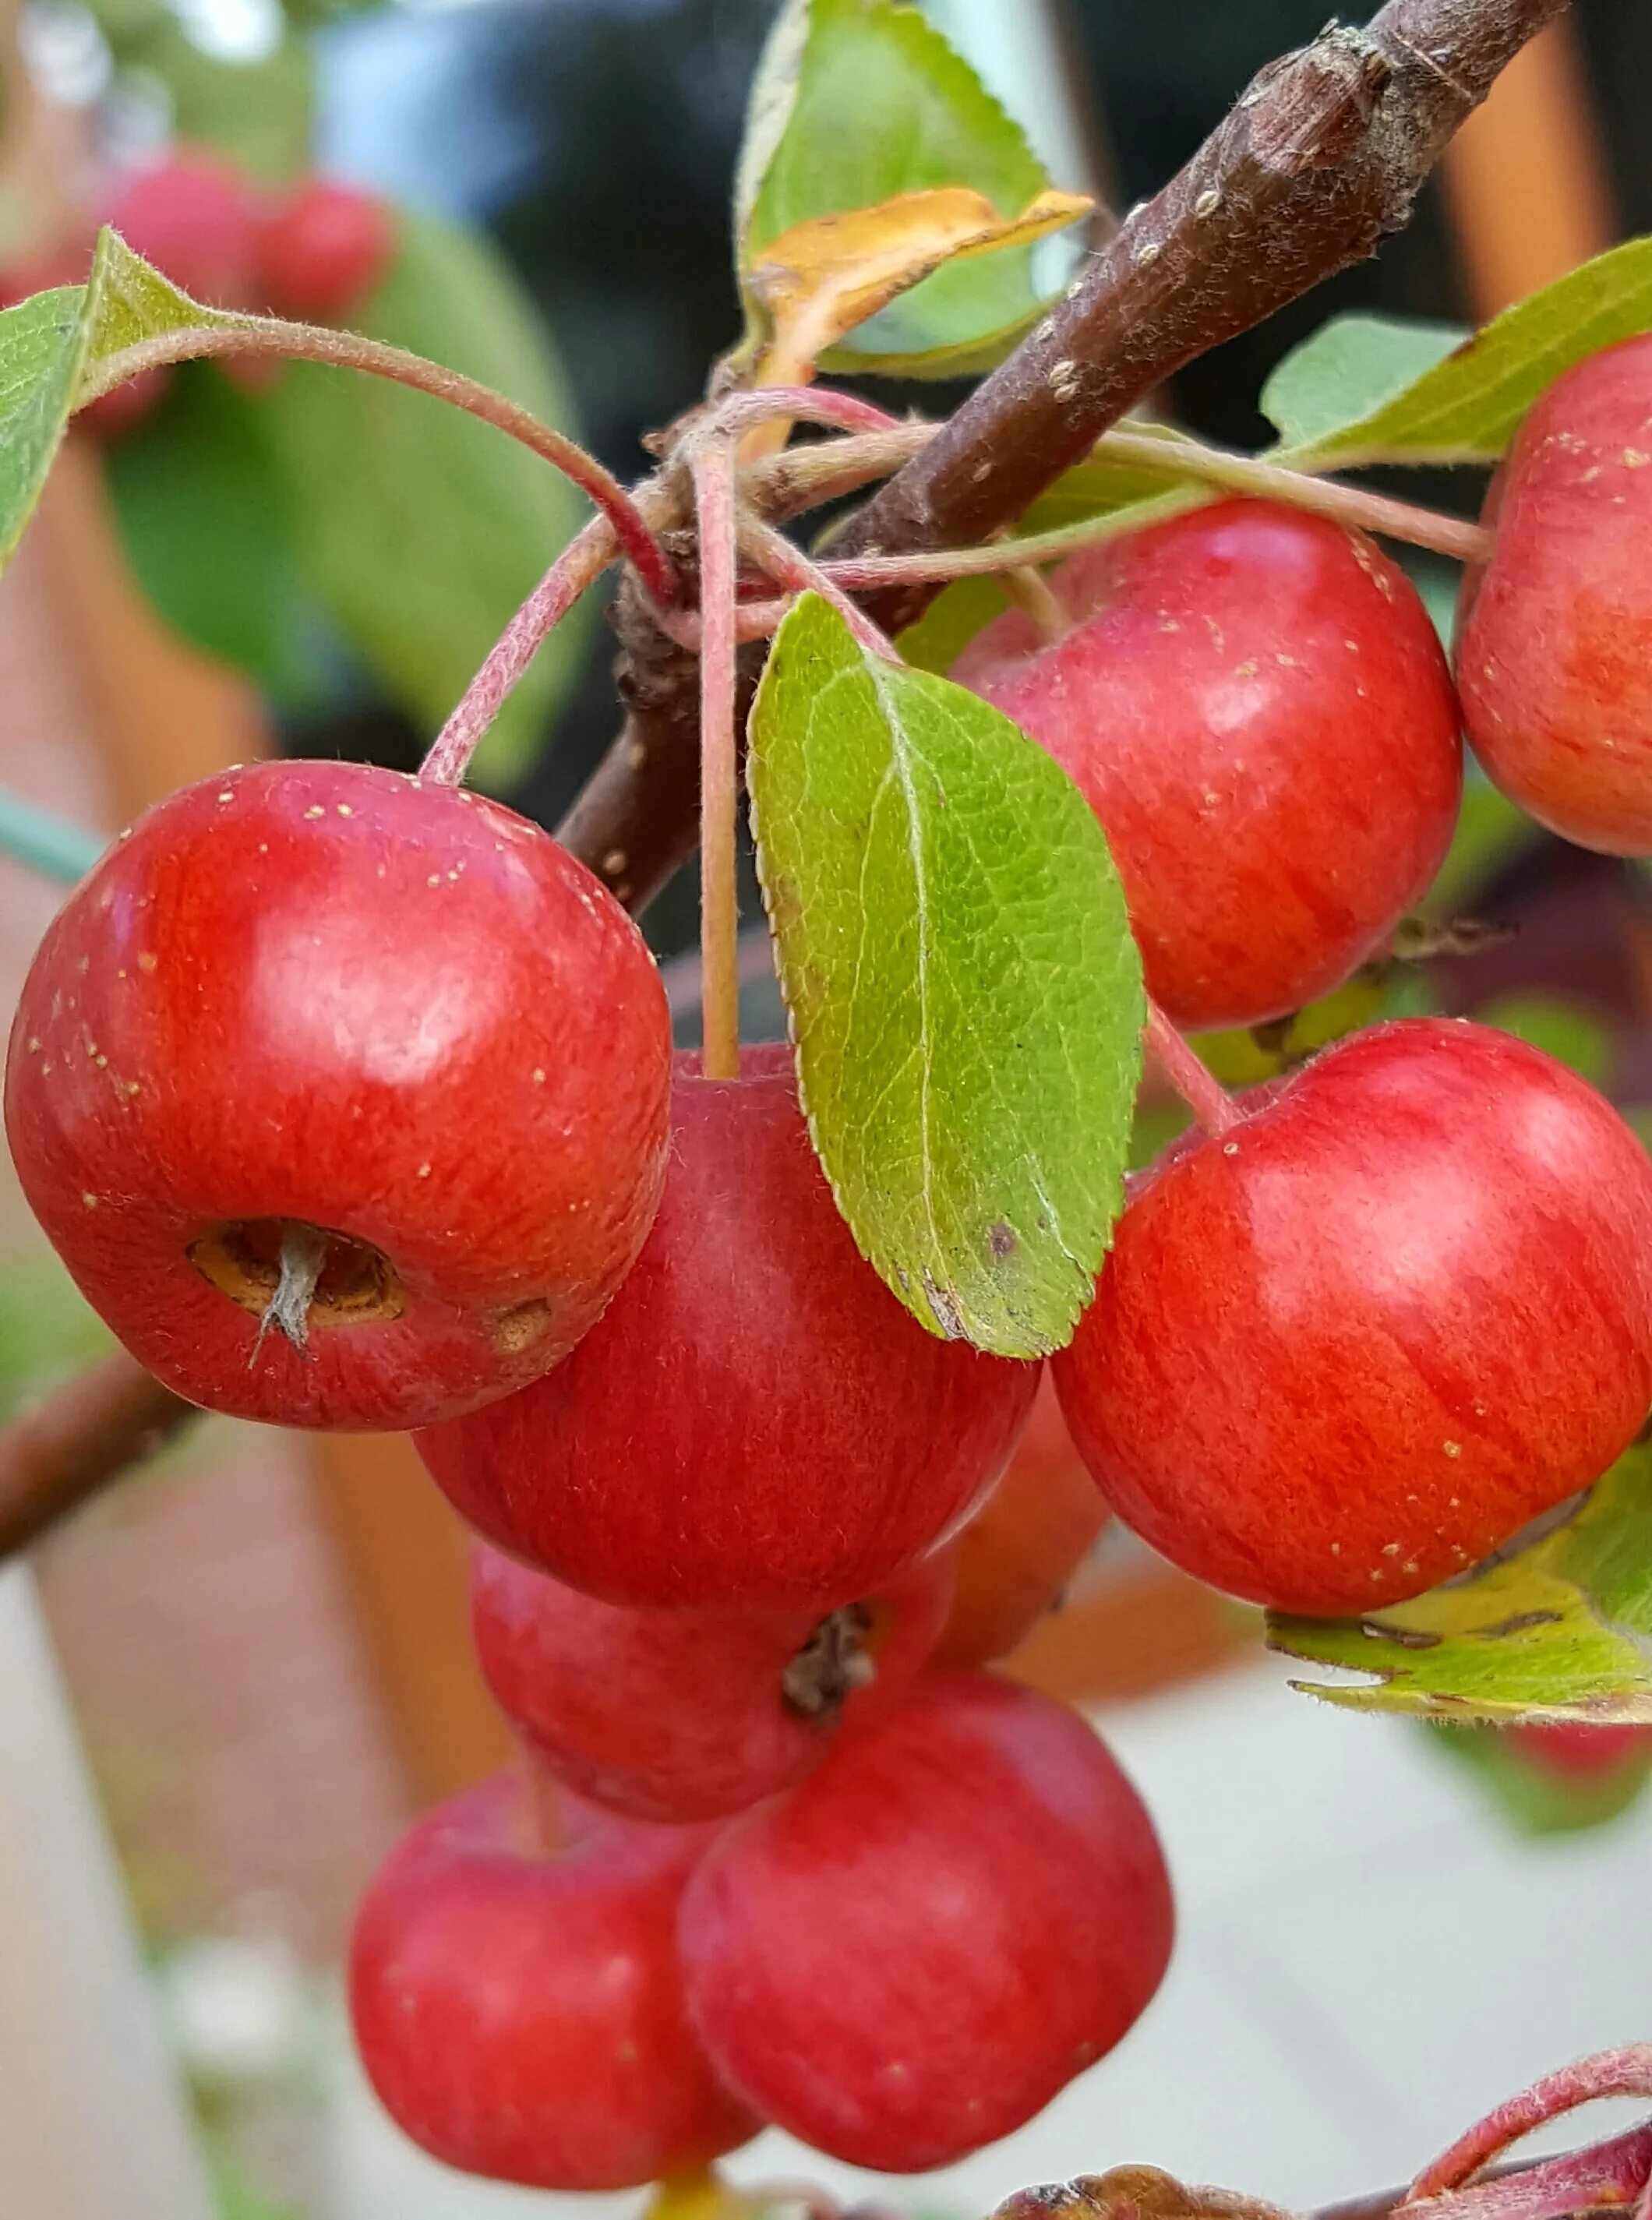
{"x": 1563, "y": 1631}
{"x": 43, "y": 342}
{"x": 963, "y": 990}
{"x": 1466, "y": 406}
{"x": 418, "y": 529}
{"x": 858, "y": 101}
{"x": 50, "y": 347}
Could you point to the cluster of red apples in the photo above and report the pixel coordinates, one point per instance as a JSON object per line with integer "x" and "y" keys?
{"x": 349, "y": 1100}
{"x": 311, "y": 252}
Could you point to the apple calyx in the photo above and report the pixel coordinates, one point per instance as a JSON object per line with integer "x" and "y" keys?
{"x": 293, "y": 1276}
{"x": 831, "y": 1665}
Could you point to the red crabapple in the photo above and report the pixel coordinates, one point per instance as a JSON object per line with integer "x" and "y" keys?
{"x": 1345, "y": 1348}
{"x": 1553, "y": 652}
{"x": 1256, "y": 706}
{"x": 756, "y": 1421}
{"x": 520, "y": 2010}
{"x": 320, "y": 1048}
{"x": 1579, "y": 1751}
{"x": 677, "y": 1714}
{"x": 192, "y": 217}
{"x": 908, "y": 1956}
{"x": 322, "y": 250}
{"x": 1024, "y": 1544}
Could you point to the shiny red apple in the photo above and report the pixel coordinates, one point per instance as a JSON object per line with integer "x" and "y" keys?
{"x": 1257, "y": 705}
{"x": 1345, "y": 1348}
{"x": 319, "y": 1016}
{"x": 682, "y": 1715}
{"x": 1553, "y": 649}
{"x": 321, "y": 249}
{"x": 519, "y": 2009}
{"x": 756, "y": 1421}
{"x": 909, "y": 1954}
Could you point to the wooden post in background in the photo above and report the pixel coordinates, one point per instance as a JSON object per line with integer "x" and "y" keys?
{"x": 1523, "y": 179}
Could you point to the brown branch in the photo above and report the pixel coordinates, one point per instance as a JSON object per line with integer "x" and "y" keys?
{"x": 1322, "y": 156}
{"x": 55, "y": 1455}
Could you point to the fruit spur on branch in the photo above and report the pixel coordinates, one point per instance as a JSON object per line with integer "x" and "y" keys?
{"x": 785, "y": 1387}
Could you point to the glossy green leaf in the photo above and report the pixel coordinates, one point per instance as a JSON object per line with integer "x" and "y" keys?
{"x": 42, "y": 344}
{"x": 961, "y": 984}
{"x": 857, "y": 101}
{"x": 1561, "y": 1630}
{"x": 204, "y": 511}
{"x": 1349, "y": 368}
{"x": 1468, "y": 405}
{"x": 416, "y": 527}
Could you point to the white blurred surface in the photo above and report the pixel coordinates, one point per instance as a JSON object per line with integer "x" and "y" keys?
{"x": 1366, "y": 1960}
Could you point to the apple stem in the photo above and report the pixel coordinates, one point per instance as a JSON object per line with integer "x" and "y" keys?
{"x": 578, "y": 567}
{"x": 785, "y": 484}
{"x": 303, "y": 1253}
{"x": 713, "y": 468}
{"x": 803, "y": 404}
{"x": 1606, "y": 2176}
{"x": 545, "y": 1826}
{"x": 1623, "y": 2072}
{"x": 787, "y": 565}
{"x": 267, "y": 336}
{"x": 1213, "y": 1107}
{"x": 1457, "y": 537}
{"x": 1033, "y": 594}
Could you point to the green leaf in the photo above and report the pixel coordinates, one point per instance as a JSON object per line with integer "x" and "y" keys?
{"x": 128, "y": 300}
{"x": 855, "y": 102}
{"x": 1349, "y": 368}
{"x": 416, "y": 527}
{"x": 42, "y": 343}
{"x": 1534, "y": 1800}
{"x": 1561, "y": 1630}
{"x": 1467, "y": 406}
{"x": 962, "y": 988}
{"x": 205, "y": 514}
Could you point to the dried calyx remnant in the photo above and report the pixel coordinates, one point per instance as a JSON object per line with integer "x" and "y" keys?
{"x": 832, "y": 1664}
{"x": 293, "y": 1277}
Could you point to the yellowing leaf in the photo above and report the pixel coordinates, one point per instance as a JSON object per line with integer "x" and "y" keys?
{"x": 822, "y": 278}
{"x": 1563, "y": 1631}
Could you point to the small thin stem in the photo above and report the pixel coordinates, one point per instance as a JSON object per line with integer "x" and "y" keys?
{"x": 1213, "y": 1107}
{"x": 862, "y": 574}
{"x": 1033, "y": 594}
{"x": 45, "y": 842}
{"x": 787, "y": 565}
{"x": 803, "y": 404}
{"x": 581, "y": 563}
{"x": 1455, "y": 536}
{"x": 265, "y": 335}
{"x": 1624, "y": 2073}
{"x": 1607, "y": 2176}
{"x": 802, "y": 477}
{"x": 752, "y": 620}
{"x": 720, "y": 974}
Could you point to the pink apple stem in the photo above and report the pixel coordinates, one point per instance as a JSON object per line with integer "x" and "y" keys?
{"x": 578, "y": 567}
{"x": 752, "y": 620}
{"x": 1213, "y": 1107}
{"x": 1624, "y": 2073}
{"x": 803, "y": 404}
{"x": 1033, "y": 594}
{"x": 712, "y": 467}
{"x": 267, "y": 336}
{"x": 1608, "y": 2177}
{"x": 787, "y": 565}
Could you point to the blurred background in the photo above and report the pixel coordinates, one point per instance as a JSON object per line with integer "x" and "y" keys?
{"x": 261, "y": 1639}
